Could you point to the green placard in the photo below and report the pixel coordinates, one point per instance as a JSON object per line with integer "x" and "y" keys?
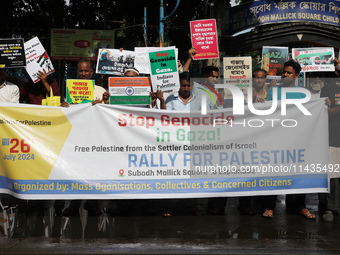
{"x": 130, "y": 100}
{"x": 163, "y": 62}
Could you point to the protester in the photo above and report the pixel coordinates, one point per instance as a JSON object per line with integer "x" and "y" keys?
{"x": 158, "y": 96}
{"x": 85, "y": 72}
{"x": 34, "y": 93}
{"x": 259, "y": 85}
{"x": 330, "y": 202}
{"x": 191, "y": 54}
{"x": 294, "y": 202}
{"x": 289, "y": 77}
{"x": 183, "y": 100}
{"x": 131, "y": 72}
{"x": 9, "y": 92}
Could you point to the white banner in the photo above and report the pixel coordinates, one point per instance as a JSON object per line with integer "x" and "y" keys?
{"x": 116, "y": 152}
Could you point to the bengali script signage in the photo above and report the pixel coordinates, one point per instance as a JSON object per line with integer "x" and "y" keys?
{"x": 117, "y": 152}
{"x": 75, "y": 44}
{"x": 204, "y": 38}
{"x": 265, "y": 12}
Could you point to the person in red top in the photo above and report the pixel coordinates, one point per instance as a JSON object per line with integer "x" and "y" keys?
{"x": 34, "y": 93}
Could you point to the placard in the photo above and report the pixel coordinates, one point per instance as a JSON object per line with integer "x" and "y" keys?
{"x": 37, "y": 59}
{"x": 114, "y": 62}
{"x": 12, "y": 53}
{"x": 129, "y": 90}
{"x": 314, "y": 59}
{"x": 204, "y": 38}
{"x": 273, "y": 59}
{"x": 164, "y": 73}
{"x": 79, "y": 91}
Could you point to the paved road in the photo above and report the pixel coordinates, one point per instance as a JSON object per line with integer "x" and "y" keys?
{"x": 231, "y": 233}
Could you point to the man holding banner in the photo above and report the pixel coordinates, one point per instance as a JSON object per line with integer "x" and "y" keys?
{"x": 85, "y": 72}
{"x": 294, "y": 202}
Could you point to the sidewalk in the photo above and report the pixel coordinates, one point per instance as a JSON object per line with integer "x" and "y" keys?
{"x": 231, "y": 233}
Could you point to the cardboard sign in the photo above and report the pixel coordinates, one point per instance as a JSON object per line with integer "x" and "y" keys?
{"x": 12, "y": 53}
{"x": 37, "y": 59}
{"x": 164, "y": 73}
{"x": 79, "y": 91}
{"x": 129, "y": 90}
{"x": 204, "y": 38}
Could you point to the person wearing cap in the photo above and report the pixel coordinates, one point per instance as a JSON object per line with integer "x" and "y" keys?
{"x": 131, "y": 72}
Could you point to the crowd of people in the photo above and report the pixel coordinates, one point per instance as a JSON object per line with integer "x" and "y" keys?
{"x": 188, "y": 98}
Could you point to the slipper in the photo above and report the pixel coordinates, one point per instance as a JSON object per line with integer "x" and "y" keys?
{"x": 196, "y": 211}
{"x": 168, "y": 213}
{"x": 247, "y": 211}
{"x": 268, "y": 214}
{"x": 217, "y": 211}
{"x": 305, "y": 213}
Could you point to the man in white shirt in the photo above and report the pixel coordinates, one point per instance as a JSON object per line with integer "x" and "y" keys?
{"x": 9, "y": 92}
{"x": 85, "y": 72}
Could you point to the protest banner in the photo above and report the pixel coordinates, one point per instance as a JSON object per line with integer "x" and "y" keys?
{"x": 76, "y": 44}
{"x": 114, "y": 62}
{"x": 318, "y": 59}
{"x": 273, "y": 59}
{"x": 79, "y": 91}
{"x": 129, "y": 90}
{"x": 204, "y": 38}
{"x": 116, "y": 152}
{"x": 163, "y": 66}
{"x": 37, "y": 59}
{"x": 12, "y": 53}
{"x": 238, "y": 72}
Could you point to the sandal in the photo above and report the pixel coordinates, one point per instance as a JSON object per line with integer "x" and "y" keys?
{"x": 168, "y": 213}
{"x": 307, "y": 214}
{"x": 247, "y": 211}
{"x": 217, "y": 211}
{"x": 269, "y": 213}
{"x": 196, "y": 211}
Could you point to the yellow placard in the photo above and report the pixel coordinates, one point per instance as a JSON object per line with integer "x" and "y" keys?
{"x": 79, "y": 91}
